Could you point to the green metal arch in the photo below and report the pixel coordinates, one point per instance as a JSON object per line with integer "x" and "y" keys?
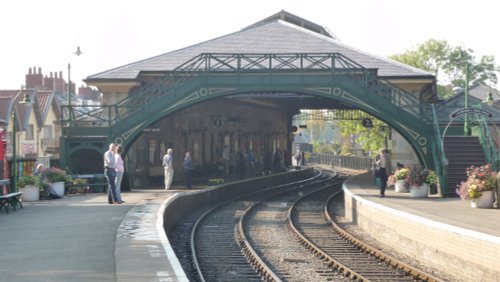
{"x": 209, "y": 76}
{"x": 337, "y": 88}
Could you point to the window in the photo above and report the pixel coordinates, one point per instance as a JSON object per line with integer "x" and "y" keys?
{"x": 48, "y": 133}
{"x": 29, "y": 132}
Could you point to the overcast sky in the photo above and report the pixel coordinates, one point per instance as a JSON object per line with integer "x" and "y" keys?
{"x": 112, "y": 33}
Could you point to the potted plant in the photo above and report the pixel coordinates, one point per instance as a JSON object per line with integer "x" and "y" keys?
{"x": 59, "y": 178}
{"x": 79, "y": 185}
{"x": 420, "y": 179}
{"x": 401, "y": 179}
{"x": 479, "y": 186}
{"x": 29, "y": 185}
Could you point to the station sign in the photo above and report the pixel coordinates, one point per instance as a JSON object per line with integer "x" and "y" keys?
{"x": 465, "y": 111}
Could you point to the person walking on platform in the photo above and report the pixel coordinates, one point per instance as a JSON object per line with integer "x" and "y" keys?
{"x": 110, "y": 172}
{"x": 168, "y": 165}
{"x": 120, "y": 170}
{"x": 383, "y": 169}
{"x": 188, "y": 170}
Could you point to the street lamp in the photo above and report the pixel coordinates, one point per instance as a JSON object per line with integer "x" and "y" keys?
{"x": 26, "y": 100}
{"x": 78, "y": 52}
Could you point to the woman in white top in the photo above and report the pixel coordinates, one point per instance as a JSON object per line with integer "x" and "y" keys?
{"x": 120, "y": 169}
{"x": 168, "y": 165}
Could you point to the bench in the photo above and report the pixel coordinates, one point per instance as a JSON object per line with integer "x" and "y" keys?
{"x": 215, "y": 181}
{"x": 11, "y": 199}
{"x": 97, "y": 183}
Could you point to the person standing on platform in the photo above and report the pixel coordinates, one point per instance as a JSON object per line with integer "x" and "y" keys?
{"x": 298, "y": 157}
{"x": 168, "y": 165}
{"x": 383, "y": 169}
{"x": 120, "y": 170}
{"x": 188, "y": 170}
{"x": 110, "y": 172}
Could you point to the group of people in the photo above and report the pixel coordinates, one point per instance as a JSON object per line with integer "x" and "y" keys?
{"x": 113, "y": 170}
{"x": 168, "y": 166}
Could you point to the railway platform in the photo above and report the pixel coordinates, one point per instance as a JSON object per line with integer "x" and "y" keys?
{"x": 445, "y": 233}
{"x": 82, "y": 238}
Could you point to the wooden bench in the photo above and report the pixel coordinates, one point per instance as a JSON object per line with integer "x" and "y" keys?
{"x": 11, "y": 199}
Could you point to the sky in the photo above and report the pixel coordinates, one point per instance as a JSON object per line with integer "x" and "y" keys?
{"x": 112, "y": 33}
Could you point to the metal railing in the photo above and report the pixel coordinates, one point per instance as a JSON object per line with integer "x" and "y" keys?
{"x": 441, "y": 167}
{"x": 207, "y": 63}
{"x": 481, "y": 129}
{"x": 352, "y": 162}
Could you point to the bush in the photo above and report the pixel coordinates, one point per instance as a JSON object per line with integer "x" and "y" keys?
{"x": 479, "y": 179}
{"x": 55, "y": 174}
{"x": 402, "y": 174}
{"x": 28, "y": 180}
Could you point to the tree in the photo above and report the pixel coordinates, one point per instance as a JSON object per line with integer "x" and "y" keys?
{"x": 371, "y": 139}
{"x": 449, "y": 65}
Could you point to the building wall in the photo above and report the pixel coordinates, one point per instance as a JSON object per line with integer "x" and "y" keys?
{"x": 203, "y": 130}
{"x": 45, "y": 144}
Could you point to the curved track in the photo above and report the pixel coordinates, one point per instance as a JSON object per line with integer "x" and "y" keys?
{"x": 250, "y": 239}
{"x": 310, "y": 219}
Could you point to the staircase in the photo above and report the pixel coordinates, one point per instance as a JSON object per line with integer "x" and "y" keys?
{"x": 462, "y": 152}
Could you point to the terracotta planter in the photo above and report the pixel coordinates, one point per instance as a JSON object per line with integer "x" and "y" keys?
{"x": 484, "y": 202}
{"x": 419, "y": 191}
{"x": 30, "y": 193}
{"x": 401, "y": 186}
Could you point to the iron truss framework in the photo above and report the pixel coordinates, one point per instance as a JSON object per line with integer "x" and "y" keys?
{"x": 332, "y": 64}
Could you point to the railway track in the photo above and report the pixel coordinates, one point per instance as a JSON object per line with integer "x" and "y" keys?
{"x": 312, "y": 222}
{"x": 250, "y": 239}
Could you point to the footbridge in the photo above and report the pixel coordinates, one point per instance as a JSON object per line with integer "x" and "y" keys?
{"x": 331, "y": 76}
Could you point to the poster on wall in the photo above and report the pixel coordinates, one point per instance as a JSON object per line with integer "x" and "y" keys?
{"x": 28, "y": 148}
{"x": 152, "y": 151}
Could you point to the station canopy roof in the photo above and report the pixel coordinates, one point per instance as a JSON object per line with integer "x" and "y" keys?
{"x": 280, "y": 33}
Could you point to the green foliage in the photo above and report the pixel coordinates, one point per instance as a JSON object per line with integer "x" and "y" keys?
{"x": 28, "y": 180}
{"x": 55, "y": 174}
{"x": 449, "y": 64}
{"x": 327, "y": 148}
{"x": 402, "y": 174}
{"x": 370, "y": 139}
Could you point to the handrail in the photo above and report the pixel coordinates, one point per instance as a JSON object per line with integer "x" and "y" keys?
{"x": 440, "y": 167}
{"x": 217, "y": 63}
{"x": 481, "y": 129}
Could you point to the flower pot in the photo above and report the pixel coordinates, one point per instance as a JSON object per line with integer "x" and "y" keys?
{"x": 401, "y": 186}
{"x": 419, "y": 191}
{"x": 58, "y": 188}
{"x": 30, "y": 193}
{"x": 484, "y": 202}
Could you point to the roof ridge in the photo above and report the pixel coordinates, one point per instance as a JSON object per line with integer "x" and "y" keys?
{"x": 295, "y": 20}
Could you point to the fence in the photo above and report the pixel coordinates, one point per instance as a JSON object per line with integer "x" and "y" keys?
{"x": 352, "y": 162}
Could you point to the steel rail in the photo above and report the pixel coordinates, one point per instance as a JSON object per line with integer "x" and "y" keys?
{"x": 264, "y": 269}
{"x": 415, "y": 272}
{"x": 199, "y": 221}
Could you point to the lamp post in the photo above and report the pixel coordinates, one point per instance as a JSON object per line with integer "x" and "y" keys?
{"x": 467, "y": 130}
{"x": 13, "y": 170}
{"x": 78, "y": 52}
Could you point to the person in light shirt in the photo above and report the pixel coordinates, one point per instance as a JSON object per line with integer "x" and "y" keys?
{"x": 383, "y": 162}
{"x": 110, "y": 172}
{"x": 120, "y": 170}
{"x": 168, "y": 165}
